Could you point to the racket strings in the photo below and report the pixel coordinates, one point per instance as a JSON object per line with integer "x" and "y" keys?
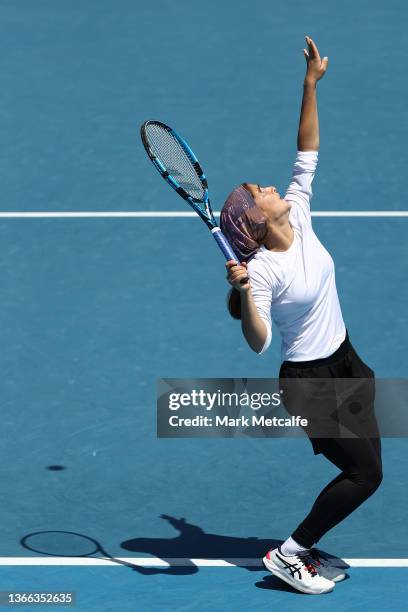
{"x": 176, "y": 161}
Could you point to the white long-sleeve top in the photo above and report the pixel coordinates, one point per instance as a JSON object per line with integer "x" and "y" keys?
{"x": 297, "y": 288}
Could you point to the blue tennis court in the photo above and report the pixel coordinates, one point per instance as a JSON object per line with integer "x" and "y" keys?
{"x": 94, "y": 309}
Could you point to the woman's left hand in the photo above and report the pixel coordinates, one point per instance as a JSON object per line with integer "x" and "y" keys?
{"x": 316, "y": 67}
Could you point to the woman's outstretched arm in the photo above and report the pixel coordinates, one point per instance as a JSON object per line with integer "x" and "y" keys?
{"x": 308, "y": 134}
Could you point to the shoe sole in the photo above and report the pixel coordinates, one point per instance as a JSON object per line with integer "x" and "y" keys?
{"x": 271, "y": 567}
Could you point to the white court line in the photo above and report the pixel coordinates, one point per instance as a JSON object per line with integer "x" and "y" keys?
{"x": 156, "y": 562}
{"x": 177, "y": 215}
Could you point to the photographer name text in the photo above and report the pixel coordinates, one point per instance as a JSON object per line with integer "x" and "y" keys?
{"x": 242, "y": 421}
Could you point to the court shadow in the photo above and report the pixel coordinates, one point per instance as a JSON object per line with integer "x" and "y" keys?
{"x": 273, "y": 583}
{"x": 194, "y": 543}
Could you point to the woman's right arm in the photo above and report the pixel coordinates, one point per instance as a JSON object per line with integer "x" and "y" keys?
{"x": 256, "y": 330}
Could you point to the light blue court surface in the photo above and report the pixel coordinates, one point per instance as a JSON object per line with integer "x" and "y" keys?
{"x": 211, "y": 590}
{"x": 93, "y": 311}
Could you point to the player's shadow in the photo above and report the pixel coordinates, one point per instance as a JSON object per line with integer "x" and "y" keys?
{"x": 194, "y": 543}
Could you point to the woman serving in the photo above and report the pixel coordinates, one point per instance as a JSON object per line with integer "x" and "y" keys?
{"x": 292, "y": 282}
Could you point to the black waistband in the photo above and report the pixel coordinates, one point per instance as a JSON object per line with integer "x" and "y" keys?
{"x": 336, "y": 356}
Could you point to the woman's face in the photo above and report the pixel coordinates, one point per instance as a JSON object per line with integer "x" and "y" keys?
{"x": 268, "y": 200}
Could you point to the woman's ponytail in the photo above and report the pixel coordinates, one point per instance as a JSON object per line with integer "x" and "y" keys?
{"x": 234, "y": 303}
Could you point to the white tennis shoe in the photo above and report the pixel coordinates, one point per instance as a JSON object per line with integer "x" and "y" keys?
{"x": 297, "y": 571}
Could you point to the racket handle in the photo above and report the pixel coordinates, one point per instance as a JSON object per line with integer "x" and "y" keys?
{"x": 225, "y": 247}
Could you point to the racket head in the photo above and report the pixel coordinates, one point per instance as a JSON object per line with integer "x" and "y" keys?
{"x": 178, "y": 165}
{"x": 61, "y": 544}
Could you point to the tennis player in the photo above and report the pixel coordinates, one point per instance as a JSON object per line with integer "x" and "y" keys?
{"x": 292, "y": 282}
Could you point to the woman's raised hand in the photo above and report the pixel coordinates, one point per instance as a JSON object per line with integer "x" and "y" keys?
{"x": 316, "y": 67}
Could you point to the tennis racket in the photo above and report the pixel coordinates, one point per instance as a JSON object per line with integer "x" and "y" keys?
{"x": 178, "y": 165}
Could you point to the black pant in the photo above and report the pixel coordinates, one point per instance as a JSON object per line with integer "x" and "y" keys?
{"x": 359, "y": 457}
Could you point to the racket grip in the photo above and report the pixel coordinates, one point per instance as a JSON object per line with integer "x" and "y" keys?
{"x": 225, "y": 247}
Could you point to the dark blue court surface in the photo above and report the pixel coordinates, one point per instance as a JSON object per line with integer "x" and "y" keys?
{"x": 93, "y": 311}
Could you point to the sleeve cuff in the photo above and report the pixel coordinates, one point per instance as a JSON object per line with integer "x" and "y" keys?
{"x": 307, "y": 160}
{"x": 311, "y": 152}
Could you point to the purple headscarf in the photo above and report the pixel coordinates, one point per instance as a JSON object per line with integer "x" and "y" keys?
{"x": 243, "y": 223}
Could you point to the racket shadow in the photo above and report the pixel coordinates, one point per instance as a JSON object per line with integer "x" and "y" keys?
{"x": 59, "y": 543}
